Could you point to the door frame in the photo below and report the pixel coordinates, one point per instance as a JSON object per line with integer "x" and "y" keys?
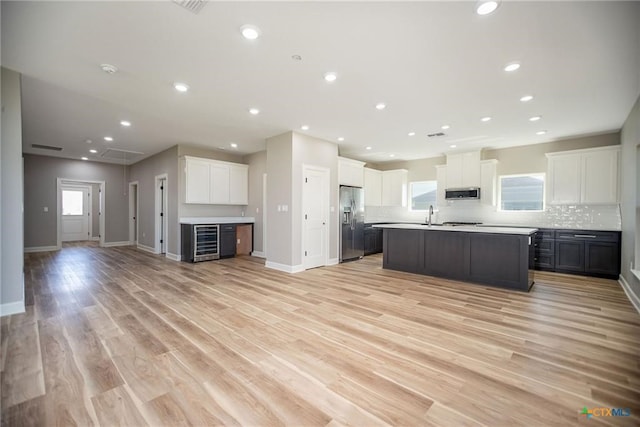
{"x": 157, "y": 246}
{"x": 60, "y": 182}
{"x": 134, "y": 239}
{"x": 327, "y": 202}
{"x": 264, "y": 215}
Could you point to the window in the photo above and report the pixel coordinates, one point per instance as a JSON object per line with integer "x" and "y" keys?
{"x": 422, "y": 194}
{"x": 522, "y": 192}
{"x": 72, "y": 202}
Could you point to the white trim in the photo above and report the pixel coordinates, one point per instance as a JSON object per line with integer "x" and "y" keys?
{"x": 165, "y": 216}
{"x": 258, "y": 254}
{"x": 134, "y": 239}
{"x": 95, "y": 239}
{"x": 326, "y": 195}
{"x": 12, "y": 308}
{"x": 173, "y": 257}
{"x": 264, "y": 215}
{"x": 284, "y": 267}
{"x": 102, "y": 213}
{"x": 41, "y": 249}
{"x": 333, "y": 261}
{"x": 635, "y": 300}
{"x": 146, "y": 248}
{"x": 113, "y": 244}
{"x": 636, "y": 273}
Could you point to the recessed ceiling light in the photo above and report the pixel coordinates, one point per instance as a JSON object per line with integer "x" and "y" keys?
{"x": 534, "y": 118}
{"x": 367, "y": 148}
{"x": 330, "y": 77}
{"x": 250, "y": 32}
{"x": 453, "y": 146}
{"x": 125, "y": 123}
{"x": 526, "y": 98}
{"x": 512, "y": 67}
{"x": 181, "y": 87}
{"x": 340, "y": 139}
{"x": 304, "y": 127}
{"x": 485, "y": 119}
{"x": 84, "y": 158}
{"x": 108, "y": 68}
{"x": 445, "y": 127}
{"x": 108, "y": 138}
{"x": 486, "y": 7}
{"x": 392, "y": 155}
{"x": 541, "y": 132}
{"x": 93, "y": 151}
{"x": 233, "y": 145}
{"x": 254, "y": 111}
{"x": 381, "y": 106}
{"x": 411, "y": 133}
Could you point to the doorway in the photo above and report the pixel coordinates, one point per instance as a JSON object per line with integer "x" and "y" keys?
{"x": 315, "y": 214}
{"x": 75, "y": 210}
{"x": 161, "y": 214}
{"x": 133, "y": 212}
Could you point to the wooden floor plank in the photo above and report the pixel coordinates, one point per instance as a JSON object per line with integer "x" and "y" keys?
{"x": 117, "y": 336}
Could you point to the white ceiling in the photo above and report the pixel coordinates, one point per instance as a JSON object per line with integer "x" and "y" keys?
{"x": 432, "y": 63}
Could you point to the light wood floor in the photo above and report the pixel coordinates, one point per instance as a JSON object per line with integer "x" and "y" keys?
{"x": 121, "y": 337}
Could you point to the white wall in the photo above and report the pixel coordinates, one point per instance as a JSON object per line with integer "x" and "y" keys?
{"x": 11, "y": 197}
{"x": 279, "y": 187}
{"x": 257, "y": 168}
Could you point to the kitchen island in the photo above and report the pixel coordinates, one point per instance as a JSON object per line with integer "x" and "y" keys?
{"x": 496, "y": 256}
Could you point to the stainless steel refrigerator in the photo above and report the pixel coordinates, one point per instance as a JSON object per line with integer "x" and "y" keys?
{"x": 351, "y": 223}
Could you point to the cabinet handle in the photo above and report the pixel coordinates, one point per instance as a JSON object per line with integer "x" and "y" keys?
{"x": 591, "y": 236}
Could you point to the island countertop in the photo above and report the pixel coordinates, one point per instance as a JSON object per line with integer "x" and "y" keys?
{"x": 459, "y": 228}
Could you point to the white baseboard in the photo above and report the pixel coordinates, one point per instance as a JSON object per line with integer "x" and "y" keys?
{"x": 333, "y": 261}
{"x": 11, "y": 308}
{"x": 258, "y": 254}
{"x": 113, "y": 244}
{"x": 41, "y": 249}
{"x": 635, "y": 300}
{"x": 146, "y": 248}
{"x": 284, "y": 267}
{"x": 95, "y": 239}
{"x": 173, "y": 257}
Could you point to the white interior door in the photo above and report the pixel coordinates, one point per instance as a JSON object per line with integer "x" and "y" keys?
{"x": 315, "y": 219}
{"x": 75, "y": 213}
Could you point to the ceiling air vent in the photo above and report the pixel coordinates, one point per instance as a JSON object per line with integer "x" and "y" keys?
{"x": 194, "y": 6}
{"x": 46, "y": 147}
{"x": 432, "y": 135}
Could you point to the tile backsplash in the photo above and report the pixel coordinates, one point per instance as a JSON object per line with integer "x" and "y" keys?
{"x": 587, "y": 217}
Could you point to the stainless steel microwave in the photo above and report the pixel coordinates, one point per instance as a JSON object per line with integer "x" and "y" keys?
{"x": 462, "y": 193}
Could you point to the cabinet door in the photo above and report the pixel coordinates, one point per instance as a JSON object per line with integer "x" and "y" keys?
{"x": 394, "y": 188}
{"x": 565, "y": 179}
{"x": 471, "y": 169}
{"x": 219, "y": 184}
{"x": 197, "y": 181}
{"x": 602, "y": 258}
{"x": 350, "y": 172}
{"x": 239, "y": 185}
{"x": 488, "y": 180}
{"x": 441, "y": 177}
{"x": 227, "y": 240}
{"x": 372, "y": 187}
{"x": 454, "y": 171}
{"x": 600, "y": 177}
{"x": 570, "y": 255}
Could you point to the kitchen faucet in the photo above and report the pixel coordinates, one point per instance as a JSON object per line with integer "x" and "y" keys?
{"x": 428, "y": 218}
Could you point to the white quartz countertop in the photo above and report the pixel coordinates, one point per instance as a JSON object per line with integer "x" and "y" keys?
{"x": 554, "y": 227}
{"x": 219, "y": 220}
{"x": 469, "y": 229}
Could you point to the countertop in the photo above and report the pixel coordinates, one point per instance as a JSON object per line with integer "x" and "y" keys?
{"x": 551, "y": 227}
{"x": 469, "y": 229}
{"x": 219, "y": 220}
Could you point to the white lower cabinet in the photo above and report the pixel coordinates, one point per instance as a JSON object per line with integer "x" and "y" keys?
{"x": 213, "y": 182}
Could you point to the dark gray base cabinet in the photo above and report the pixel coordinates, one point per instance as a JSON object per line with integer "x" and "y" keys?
{"x": 372, "y": 240}
{"x": 545, "y": 247}
{"x": 588, "y": 252}
{"x": 504, "y": 260}
{"x": 227, "y": 240}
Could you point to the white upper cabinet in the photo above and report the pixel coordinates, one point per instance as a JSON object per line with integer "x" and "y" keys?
{"x": 588, "y": 176}
{"x": 372, "y": 187}
{"x": 463, "y": 170}
{"x": 213, "y": 182}
{"x": 394, "y": 187}
{"x": 350, "y": 172}
{"x": 488, "y": 181}
{"x": 441, "y": 177}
